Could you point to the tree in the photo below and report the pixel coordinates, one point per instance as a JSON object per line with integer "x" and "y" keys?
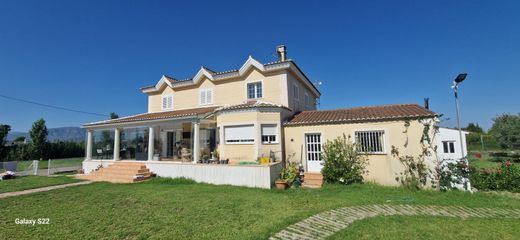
{"x": 473, "y": 128}
{"x": 506, "y": 129}
{"x": 20, "y": 139}
{"x": 4, "y": 130}
{"x": 113, "y": 115}
{"x": 38, "y": 135}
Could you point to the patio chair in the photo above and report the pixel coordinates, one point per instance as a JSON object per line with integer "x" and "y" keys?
{"x": 99, "y": 152}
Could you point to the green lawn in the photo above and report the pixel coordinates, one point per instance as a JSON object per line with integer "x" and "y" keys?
{"x": 485, "y": 162}
{"x": 30, "y": 182}
{"x": 180, "y": 209}
{"x": 421, "y": 227}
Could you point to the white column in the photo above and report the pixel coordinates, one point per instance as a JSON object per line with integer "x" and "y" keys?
{"x": 89, "y": 145}
{"x": 151, "y": 147}
{"x": 117, "y": 143}
{"x": 196, "y": 142}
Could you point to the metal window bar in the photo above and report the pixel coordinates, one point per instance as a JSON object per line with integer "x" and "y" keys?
{"x": 370, "y": 141}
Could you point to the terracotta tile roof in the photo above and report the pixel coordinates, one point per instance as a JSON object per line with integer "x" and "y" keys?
{"x": 375, "y": 113}
{"x": 251, "y": 104}
{"x": 156, "y": 116}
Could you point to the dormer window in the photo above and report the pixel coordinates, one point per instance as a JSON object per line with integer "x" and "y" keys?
{"x": 254, "y": 90}
{"x": 206, "y": 96}
{"x": 167, "y": 102}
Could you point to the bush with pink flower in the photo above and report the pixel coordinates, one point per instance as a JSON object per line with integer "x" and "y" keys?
{"x": 506, "y": 177}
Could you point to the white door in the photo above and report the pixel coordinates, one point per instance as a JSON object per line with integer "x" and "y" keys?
{"x": 313, "y": 152}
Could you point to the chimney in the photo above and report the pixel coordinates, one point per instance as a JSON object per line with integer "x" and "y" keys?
{"x": 427, "y": 103}
{"x": 282, "y": 54}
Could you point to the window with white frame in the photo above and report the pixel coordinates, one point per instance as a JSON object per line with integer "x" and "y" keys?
{"x": 448, "y": 146}
{"x": 206, "y": 96}
{"x": 239, "y": 134}
{"x": 371, "y": 141}
{"x": 167, "y": 102}
{"x": 269, "y": 133}
{"x": 313, "y": 146}
{"x": 254, "y": 90}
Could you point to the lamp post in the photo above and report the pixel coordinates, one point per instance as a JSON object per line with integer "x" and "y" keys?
{"x": 461, "y": 77}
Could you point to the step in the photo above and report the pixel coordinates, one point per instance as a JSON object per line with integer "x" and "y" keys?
{"x": 127, "y": 166}
{"x": 122, "y": 175}
{"x": 313, "y": 181}
{"x": 120, "y": 172}
{"x": 132, "y": 171}
{"x": 306, "y": 185}
{"x": 317, "y": 176}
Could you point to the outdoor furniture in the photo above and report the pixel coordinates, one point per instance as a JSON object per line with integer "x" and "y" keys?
{"x": 99, "y": 152}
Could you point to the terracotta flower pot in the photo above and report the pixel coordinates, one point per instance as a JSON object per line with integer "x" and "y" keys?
{"x": 281, "y": 184}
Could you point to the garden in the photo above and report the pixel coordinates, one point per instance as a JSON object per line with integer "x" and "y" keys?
{"x": 181, "y": 209}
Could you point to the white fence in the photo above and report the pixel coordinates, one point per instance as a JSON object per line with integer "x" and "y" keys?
{"x": 45, "y": 167}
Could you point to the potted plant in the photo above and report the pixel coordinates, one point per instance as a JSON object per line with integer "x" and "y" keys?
{"x": 287, "y": 176}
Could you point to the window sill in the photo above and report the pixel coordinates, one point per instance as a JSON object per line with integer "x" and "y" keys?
{"x": 270, "y": 143}
{"x": 383, "y": 153}
{"x": 241, "y": 143}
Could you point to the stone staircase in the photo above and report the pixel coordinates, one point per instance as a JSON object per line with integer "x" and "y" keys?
{"x": 312, "y": 180}
{"x": 120, "y": 172}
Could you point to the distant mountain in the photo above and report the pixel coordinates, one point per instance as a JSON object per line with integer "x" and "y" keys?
{"x": 75, "y": 134}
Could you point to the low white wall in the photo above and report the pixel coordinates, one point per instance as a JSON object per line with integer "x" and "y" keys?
{"x": 259, "y": 176}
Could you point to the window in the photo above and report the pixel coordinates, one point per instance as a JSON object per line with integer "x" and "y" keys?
{"x": 448, "y": 146}
{"x": 313, "y": 146}
{"x": 269, "y": 133}
{"x": 239, "y": 134}
{"x": 296, "y": 92}
{"x": 371, "y": 141}
{"x": 206, "y": 96}
{"x": 307, "y": 101}
{"x": 254, "y": 90}
{"x": 167, "y": 102}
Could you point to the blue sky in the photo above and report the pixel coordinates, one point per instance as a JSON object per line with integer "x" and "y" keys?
{"x": 94, "y": 55}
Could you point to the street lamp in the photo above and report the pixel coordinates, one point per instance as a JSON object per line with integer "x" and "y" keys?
{"x": 461, "y": 77}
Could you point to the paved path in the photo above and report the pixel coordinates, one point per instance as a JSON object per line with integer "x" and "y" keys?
{"x": 325, "y": 224}
{"x": 43, "y": 189}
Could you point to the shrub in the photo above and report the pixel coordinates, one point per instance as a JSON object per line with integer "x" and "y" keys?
{"x": 504, "y": 178}
{"x": 289, "y": 173}
{"x": 342, "y": 162}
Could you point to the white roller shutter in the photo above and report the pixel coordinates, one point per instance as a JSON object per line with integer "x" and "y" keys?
{"x": 239, "y": 134}
{"x": 269, "y": 129}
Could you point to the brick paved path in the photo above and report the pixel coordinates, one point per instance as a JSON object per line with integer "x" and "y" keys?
{"x": 325, "y": 224}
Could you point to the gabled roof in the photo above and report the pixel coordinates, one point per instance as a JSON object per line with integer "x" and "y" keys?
{"x": 374, "y": 113}
{"x": 216, "y": 76}
{"x": 251, "y": 104}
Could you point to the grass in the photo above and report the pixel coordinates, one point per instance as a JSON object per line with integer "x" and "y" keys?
{"x": 422, "y": 227}
{"x": 181, "y": 209}
{"x": 30, "y": 182}
{"x": 485, "y": 162}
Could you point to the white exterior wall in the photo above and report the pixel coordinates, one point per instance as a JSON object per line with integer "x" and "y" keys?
{"x": 259, "y": 176}
{"x": 448, "y": 134}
